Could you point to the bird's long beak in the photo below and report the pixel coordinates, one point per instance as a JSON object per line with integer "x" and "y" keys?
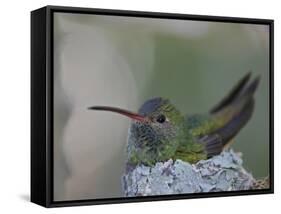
{"x": 132, "y": 115}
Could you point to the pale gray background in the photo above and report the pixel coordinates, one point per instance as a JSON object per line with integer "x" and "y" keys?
{"x": 122, "y": 62}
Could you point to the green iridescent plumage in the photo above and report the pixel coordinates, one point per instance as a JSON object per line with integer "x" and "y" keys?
{"x": 159, "y": 131}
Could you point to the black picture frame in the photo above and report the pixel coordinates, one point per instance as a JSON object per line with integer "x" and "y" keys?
{"x": 42, "y": 104}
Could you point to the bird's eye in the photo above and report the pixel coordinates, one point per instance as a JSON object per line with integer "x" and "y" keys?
{"x": 161, "y": 118}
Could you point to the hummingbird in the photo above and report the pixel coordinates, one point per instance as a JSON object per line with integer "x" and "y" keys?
{"x": 159, "y": 131}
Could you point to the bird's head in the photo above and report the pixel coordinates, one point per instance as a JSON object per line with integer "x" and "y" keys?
{"x": 155, "y": 131}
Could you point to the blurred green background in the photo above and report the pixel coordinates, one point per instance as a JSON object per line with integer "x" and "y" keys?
{"x": 123, "y": 61}
{"x": 195, "y": 73}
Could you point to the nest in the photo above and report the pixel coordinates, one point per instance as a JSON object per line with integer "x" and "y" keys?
{"x": 223, "y": 172}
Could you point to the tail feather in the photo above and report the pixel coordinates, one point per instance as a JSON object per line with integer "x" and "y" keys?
{"x": 237, "y": 108}
{"x": 215, "y": 142}
{"x": 234, "y": 93}
{"x": 236, "y": 123}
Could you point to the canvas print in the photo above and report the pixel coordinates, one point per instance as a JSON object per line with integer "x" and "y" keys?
{"x": 150, "y": 107}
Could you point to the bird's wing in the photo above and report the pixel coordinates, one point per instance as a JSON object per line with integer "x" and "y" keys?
{"x": 227, "y": 118}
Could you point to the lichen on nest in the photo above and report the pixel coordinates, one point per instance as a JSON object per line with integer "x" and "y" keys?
{"x": 223, "y": 172}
